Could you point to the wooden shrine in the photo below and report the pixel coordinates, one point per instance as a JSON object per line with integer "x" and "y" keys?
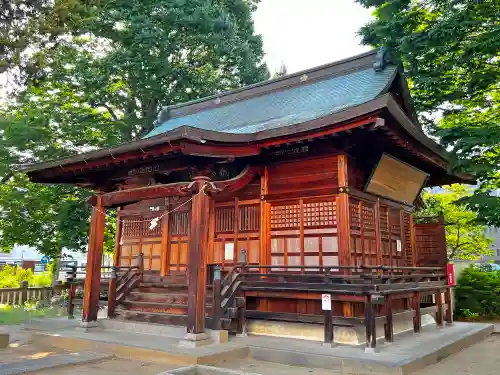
{"x": 252, "y": 204}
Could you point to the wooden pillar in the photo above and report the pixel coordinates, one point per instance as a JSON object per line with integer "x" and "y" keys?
{"x": 378, "y": 237}
{"x": 118, "y": 236}
{"x": 439, "y": 305}
{"x": 449, "y": 306}
{"x": 417, "y": 320}
{"x": 197, "y": 266}
{"x": 328, "y": 327}
{"x": 94, "y": 257}
{"x": 165, "y": 253}
{"x": 343, "y": 224}
{"x": 370, "y": 325}
{"x": 389, "y": 326}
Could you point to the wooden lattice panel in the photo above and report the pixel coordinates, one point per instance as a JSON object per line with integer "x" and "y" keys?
{"x": 224, "y": 219}
{"x": 354, "y": 214}
{"x": 285, "y": 216}
{"x": 249, "y": 218}
{"x": 368, "y": 216}
{"x": 138, "y": 226}
{"x": 320, "y": 214}
{"x": 407, "y": 240}
{"x": 383, "y": 219}
{"x": 179, "y": 223}
{"x": 395, "y": 221}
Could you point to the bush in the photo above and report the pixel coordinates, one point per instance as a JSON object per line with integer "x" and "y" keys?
{"x": 477, "y": 294}
{"x": 42, "y": 279}
{"x": 11, "y": 277}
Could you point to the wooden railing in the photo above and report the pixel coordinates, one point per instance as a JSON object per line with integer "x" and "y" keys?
{"x": 19, "y": 296}
{"x": 371, "y": 285}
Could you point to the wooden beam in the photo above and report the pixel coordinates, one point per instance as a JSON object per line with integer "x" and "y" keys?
{"x": 197, "y": 266}
{"x": 94, "y": 256}
{"x": 180, "y": 189}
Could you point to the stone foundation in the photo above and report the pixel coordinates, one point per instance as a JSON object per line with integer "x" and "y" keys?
{"x": 342, "y": 335}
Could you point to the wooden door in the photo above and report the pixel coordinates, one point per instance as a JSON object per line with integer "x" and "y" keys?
{"x": 178, "y": 241}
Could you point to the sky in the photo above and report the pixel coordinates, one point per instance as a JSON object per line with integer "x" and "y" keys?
{"x": 306, "y": 33}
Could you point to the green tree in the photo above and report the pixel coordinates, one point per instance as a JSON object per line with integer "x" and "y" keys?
{"x": 451, "y": 56}
{"x": 465, "y": 238}
{"x": 91, "y": 74}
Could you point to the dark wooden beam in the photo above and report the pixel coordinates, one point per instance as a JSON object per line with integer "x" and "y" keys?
{"x": 94, "y": 256}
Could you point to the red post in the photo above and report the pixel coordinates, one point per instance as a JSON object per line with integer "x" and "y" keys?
{"x": 197, "y": 266}
{"x": 94, "y": 257}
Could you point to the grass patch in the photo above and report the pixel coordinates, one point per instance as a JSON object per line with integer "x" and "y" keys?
{"x": 18, "y": 314}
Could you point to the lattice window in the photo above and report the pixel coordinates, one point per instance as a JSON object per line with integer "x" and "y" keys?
{"x": 285, "y": 216}
{"x": 368, "y": 216}
{"x": 224, "y": 220}
{"x": 383, "y": 219}
{"x": 320, "y": 214}
{"x": 249, "y": 218}
{"x": 354, "y": 214}
{"x": 179, "y": 223}
{"x": 395, "y": 221}
{"x": 138, "y": 226}
{"x": 307, "y": 238}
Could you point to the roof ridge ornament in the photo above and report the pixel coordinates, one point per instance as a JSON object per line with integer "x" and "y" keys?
{"x": 382, "y": 59}
{"x": 163, "y": 116}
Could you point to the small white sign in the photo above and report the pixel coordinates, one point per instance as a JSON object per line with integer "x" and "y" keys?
{"x": 229, "y": 251}
{"x": 326, "y": 302}
{"x": 399, "y": 248}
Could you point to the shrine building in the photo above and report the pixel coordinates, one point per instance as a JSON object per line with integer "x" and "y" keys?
{"x": 281, "y": 208}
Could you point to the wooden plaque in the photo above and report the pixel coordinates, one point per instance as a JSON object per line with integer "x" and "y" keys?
{"x": 396, "y": 180}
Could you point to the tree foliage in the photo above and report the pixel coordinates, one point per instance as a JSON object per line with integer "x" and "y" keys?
{"x": 451, "y": 55}
{"x": 465, "y": 238}
{"x": 90, "y": 74}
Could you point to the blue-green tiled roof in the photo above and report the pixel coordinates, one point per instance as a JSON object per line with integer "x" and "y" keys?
{"x": 291, "y": 106}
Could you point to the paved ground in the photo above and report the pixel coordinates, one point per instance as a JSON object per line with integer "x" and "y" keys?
{"x": 112, "y": 366}
{"x": 479, "y": 359}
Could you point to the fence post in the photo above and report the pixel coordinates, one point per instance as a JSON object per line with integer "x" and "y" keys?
{"x": 370, "y": 325}
{"x": 140, "y": 260}
{"x": 328, "y": 327}
{"x": 24, "y": 292}
{"x": 112, "y": 292}
{"x": 216, "y": 300}
{"x": 417, "y": 320}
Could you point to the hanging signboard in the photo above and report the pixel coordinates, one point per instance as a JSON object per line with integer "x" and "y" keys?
{"x": 450, "y": 272}
{"x": 326, "y": 302}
